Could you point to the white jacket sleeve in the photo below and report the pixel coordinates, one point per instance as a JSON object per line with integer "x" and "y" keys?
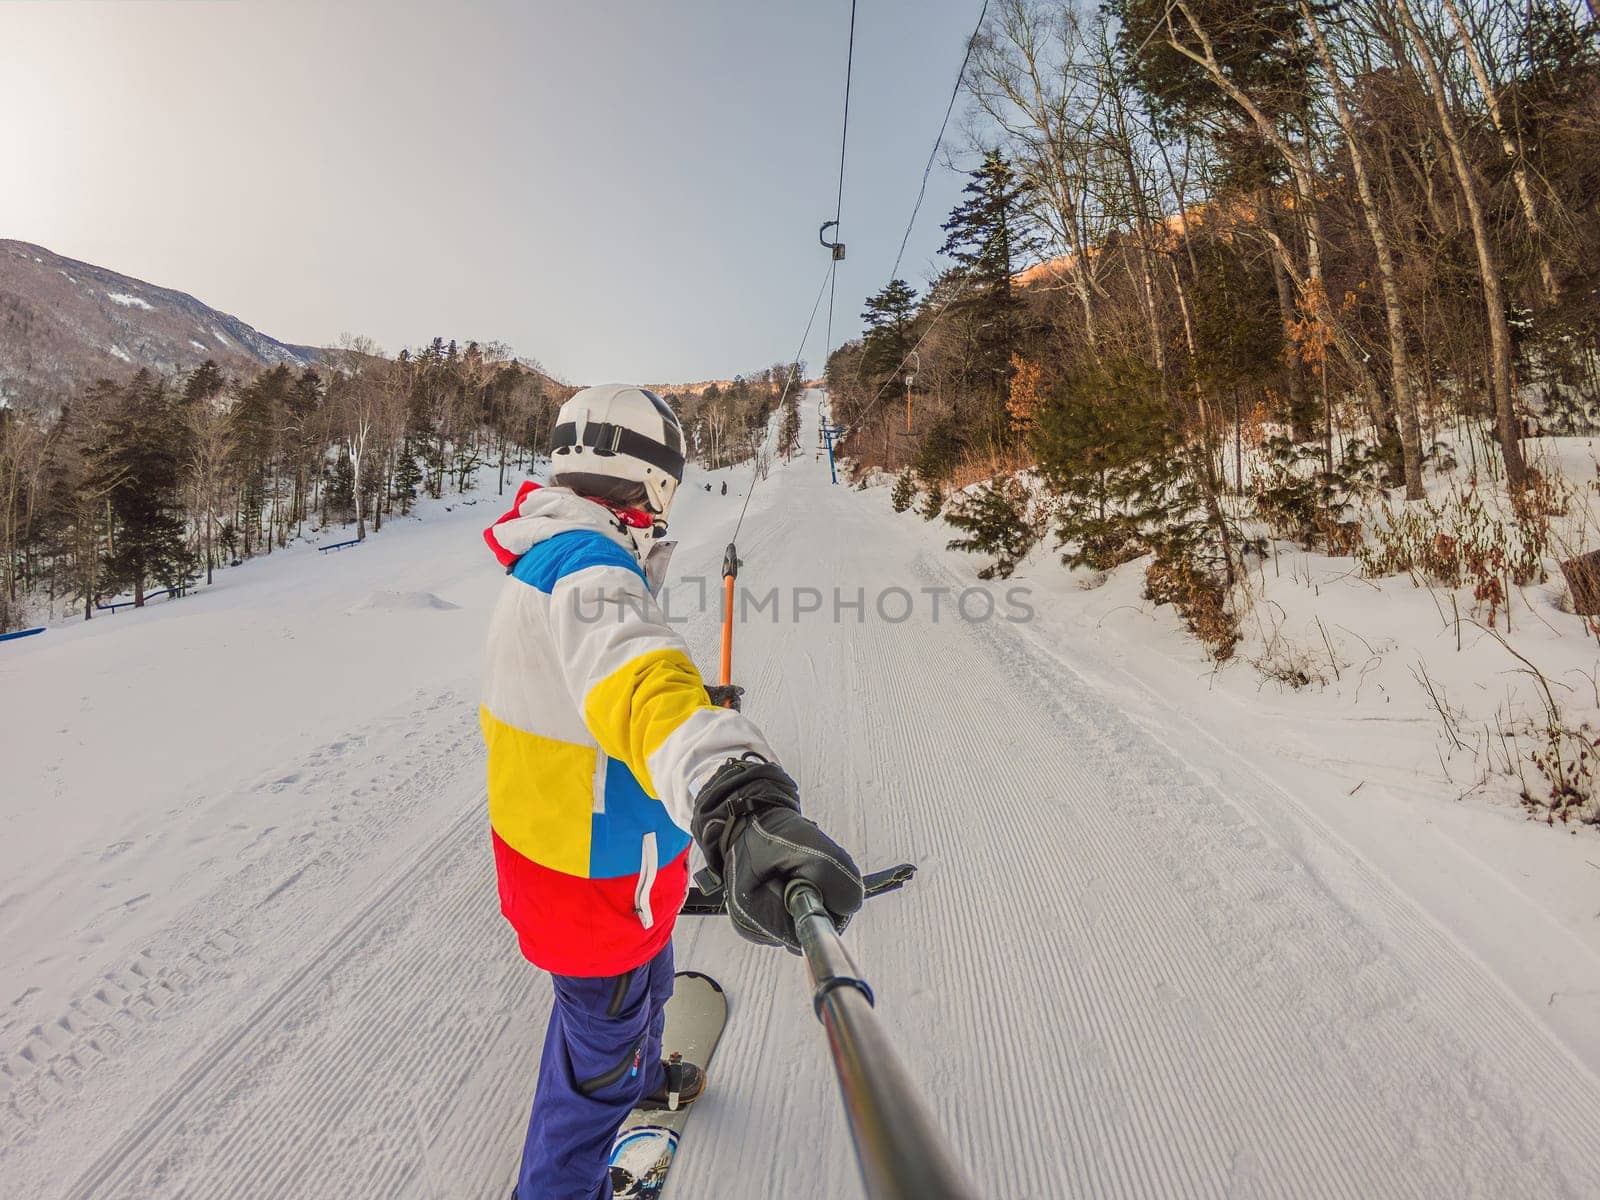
{"x": 641, "y": 697}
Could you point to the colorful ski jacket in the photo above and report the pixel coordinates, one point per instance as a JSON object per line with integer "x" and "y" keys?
{"x": 599, "y": 734}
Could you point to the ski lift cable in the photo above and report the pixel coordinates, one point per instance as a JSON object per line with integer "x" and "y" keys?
{"x": 894, "y": 376}
{"x": 966, "y": 277}
{"x": 730, "y": 557}
{"x": 829, "y": 280}
{"x": 827, "y": 345}
{"x": 900, "y": 1152}
{"x": 844, "y": 132}
{"x": 794, "y": 372}
{"x": 838, "y": 205}
{"x": 939, "y": 141}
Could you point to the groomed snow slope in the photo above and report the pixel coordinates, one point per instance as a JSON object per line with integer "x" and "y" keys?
{"x": 251, "y": 946}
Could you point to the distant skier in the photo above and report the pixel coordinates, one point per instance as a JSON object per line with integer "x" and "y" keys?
{"x": 724, "y": 487}
{"x": 607, "y": 753}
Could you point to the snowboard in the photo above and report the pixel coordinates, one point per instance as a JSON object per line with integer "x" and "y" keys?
{"x": 648, "y": 1140}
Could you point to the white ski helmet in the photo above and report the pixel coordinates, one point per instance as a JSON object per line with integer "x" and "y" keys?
{"x": 620, "y": 444}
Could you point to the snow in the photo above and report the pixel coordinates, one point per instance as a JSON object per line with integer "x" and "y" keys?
{"x": 390, "y": 601}
{"x": 253, "y": 948}
{"x": 118, "y": 352}
{"x": 128, "y": 301}
{"x": 201, "y": 346}
{"x": 217, "y": 333}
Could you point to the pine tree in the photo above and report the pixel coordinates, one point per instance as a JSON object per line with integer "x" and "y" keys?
{"x": 1106, "y": 444}
{"x": 1262, "y": 45}
{"x": 789, "y": 430}
{"x": 407, "y": 477}
{"x": 938, "y": 454}
{"x": 257, "y": 421}
{"x": 204, "y": 383}
{"x": 998, "y": 519}
{"x": 888, "y": 318}
{"x": 74, "y": 506}
{"x": 988, "y": 236}
{"x": 904, "y": 491}
{"x": 302, "y": 430}
{"x": 139, "y": 463}
{"x": 339, "y": 488}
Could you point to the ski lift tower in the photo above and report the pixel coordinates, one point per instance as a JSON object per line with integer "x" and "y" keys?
{"x": 830, "y": 434}
{"x": 826, "y": 431}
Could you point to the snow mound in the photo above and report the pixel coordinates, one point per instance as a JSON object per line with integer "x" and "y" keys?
{"x": 401, "y": 602}
{"x": 128, "y": 301}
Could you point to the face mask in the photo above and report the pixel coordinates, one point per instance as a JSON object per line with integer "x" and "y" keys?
{"x": 636, "y": 518}
{"x": 633, "y": 518}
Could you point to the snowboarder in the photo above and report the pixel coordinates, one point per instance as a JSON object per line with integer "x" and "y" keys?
{"x": 606, "y": 755}
{"x": 724, "y": 487}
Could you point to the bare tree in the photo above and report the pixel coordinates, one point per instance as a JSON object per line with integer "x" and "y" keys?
{"x": 1488, "y": 267}
{"x": 211, "y": 445}
{"x": 1519, "y": 169}
{"x": 1394, "y": 316}
{"x": 1302, "y": 170}
{"x": 1032, "y": 76}
{"x": 23, "y": 469}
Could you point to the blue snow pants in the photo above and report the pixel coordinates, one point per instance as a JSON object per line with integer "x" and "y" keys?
{"x": 602, "y": 1052}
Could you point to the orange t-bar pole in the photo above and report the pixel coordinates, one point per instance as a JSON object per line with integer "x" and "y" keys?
{"x": 730, "y": 568}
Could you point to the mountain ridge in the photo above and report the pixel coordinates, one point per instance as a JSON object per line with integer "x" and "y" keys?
{"x": 65, "y": 323}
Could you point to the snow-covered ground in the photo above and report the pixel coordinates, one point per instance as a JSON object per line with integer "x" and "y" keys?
{"x": 1340, "y": 690}
{"x": 251, "y": 946}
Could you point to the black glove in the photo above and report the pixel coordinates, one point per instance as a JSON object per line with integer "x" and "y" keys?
{"x": 748, "y": 824}
{"x": 726, "y": 695}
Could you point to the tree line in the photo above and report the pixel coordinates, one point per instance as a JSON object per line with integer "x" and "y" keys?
{"x": 155, "y": 482}
{"x": 1310, "y": 233}
{"x": 726, "y": 423}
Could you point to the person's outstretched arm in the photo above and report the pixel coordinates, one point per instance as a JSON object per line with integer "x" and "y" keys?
{"x": 645, "y": 704}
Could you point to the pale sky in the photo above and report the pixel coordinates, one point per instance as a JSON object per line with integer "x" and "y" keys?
{"x": 624, "y": 189}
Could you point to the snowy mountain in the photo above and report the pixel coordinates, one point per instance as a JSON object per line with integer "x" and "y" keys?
{"x": 65, "y": 322}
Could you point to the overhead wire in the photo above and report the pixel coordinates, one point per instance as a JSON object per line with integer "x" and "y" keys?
{"x": 838, "y": 204}
{"x": 966, "y": 275}
{"x": 844, "y": 133}
{"x": 829, "y": 279}
{"x": 794, "y": 371}
{"x": 894, "y": 376}
{"x": 927, "y": 168}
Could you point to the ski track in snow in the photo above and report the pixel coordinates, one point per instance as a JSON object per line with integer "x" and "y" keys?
{"x": 1170, "y": 1003}
{"x": 330, "y": 1086}
{"x": 178, "y": 991}
{"x": 1110, "y": 977}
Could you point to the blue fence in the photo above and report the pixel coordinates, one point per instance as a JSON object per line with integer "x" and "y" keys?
{"x": 338, "y": 546}
{"x": 20, "y": 633}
